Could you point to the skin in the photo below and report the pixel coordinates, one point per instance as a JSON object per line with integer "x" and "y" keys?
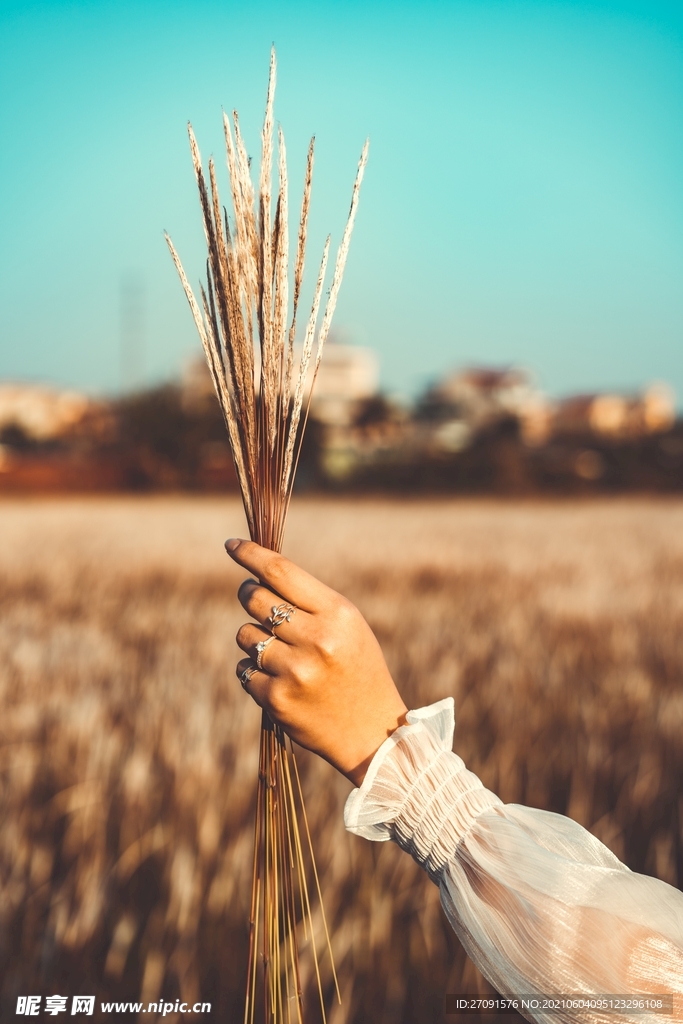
{"x": 324, "y": 678}
{"x": 326, "y": 683}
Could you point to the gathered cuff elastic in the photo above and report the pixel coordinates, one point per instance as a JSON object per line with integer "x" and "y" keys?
{"x": 418, "y": 793}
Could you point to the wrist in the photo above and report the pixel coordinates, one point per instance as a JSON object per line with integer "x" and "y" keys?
{"x": 358, "y": 766}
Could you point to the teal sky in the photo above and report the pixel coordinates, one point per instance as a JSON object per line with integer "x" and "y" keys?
{"x": 523, "y": 201}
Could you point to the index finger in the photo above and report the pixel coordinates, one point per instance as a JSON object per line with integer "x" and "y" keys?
{"x": 277, "y": 572}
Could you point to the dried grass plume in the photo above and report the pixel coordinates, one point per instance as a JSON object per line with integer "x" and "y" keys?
{"x": 247, "y": 327}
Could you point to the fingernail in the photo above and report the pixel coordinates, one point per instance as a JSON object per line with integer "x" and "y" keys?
{"x": 232, "y": 544}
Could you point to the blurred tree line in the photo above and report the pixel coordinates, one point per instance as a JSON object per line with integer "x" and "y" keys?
{"x": 159, "y": 439}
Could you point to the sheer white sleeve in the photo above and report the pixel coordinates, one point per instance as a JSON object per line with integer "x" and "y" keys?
{"x": 540, "y": 905}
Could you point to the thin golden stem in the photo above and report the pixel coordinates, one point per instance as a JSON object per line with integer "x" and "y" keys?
{"x": 315, "y": 873}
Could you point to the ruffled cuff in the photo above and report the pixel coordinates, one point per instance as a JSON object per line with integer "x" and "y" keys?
{"x": 418, "y": 793}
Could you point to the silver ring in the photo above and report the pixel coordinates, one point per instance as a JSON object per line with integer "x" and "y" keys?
{"x": 281, "y": 613}
{"x": 246, "y": 675}
{"x": 260, "y": 648}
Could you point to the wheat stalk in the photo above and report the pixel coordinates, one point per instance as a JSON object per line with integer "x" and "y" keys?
{"x": 244, "y": 307}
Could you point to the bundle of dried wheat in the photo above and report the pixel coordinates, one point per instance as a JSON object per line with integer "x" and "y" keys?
{"x": 245, "y": 315}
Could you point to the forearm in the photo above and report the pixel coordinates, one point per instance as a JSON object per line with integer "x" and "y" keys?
{"x": 541, "y": 906}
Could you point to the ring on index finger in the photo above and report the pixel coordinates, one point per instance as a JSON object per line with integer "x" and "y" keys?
{"x": 281, "y": 613}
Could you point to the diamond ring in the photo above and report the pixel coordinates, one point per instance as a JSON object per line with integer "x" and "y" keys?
{"x": 260, "y": 648}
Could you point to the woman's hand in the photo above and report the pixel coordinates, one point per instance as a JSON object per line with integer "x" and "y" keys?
{"x": 324, "y": 678}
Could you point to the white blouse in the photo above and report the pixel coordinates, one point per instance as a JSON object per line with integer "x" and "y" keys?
{"x": 540, "y": 905}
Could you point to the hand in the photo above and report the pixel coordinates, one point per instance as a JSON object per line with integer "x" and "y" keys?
{"x": 324, "y": 678}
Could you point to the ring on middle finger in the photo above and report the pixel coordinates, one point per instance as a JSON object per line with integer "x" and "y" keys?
{"x": 280, "y": 613}
{"x": 260, "y": 648}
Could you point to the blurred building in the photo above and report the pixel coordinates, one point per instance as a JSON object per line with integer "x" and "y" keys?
{"x": 347, "y": 376}
{"x": 41, "y": 413}
{"x": 614, "y": 415}
{"x": 466, "y": 402}
{"x": 482, "y": 394}
{"x": 51, "y": 440}
{"x": 196, "y": 385}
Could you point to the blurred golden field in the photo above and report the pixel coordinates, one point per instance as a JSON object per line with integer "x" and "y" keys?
{"x": 128, "y": 749}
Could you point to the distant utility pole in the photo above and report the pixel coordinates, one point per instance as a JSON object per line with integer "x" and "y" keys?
{"x": 132, "y": 324}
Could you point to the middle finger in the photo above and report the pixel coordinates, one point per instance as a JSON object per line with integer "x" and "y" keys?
{"x": 261, "y": 603}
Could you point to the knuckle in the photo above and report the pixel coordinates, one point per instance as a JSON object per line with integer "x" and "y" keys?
{"x": 305, "y": 672}
{"x": 277, "y": 567}
{"x": 328, "y": 644}
{"x": 345, "y": 612}
{"x": 343, "y": 619}
{"x": 277, "y": 700}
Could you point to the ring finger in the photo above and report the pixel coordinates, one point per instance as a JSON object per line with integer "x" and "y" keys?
{"x": 273, "y": 651}
{"x": 253, "y": 682}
